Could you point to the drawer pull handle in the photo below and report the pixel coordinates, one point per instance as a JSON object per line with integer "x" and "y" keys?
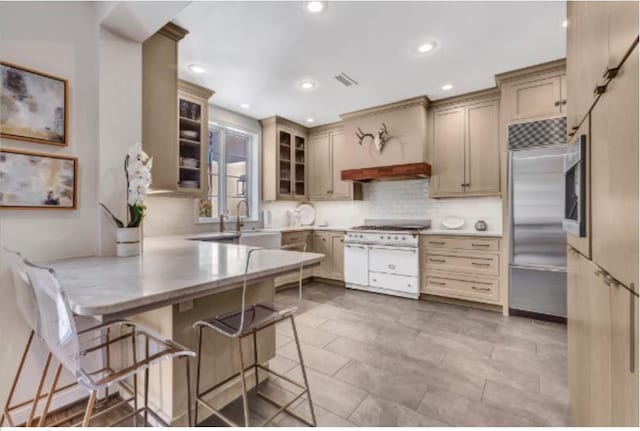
{"x": 480, "y": 264}
{"x": 392, "y": 266}
{"x": 437, "y": 260}
{"x": 437, "y": 242}
{"x": 473, "y": 244}
{"x": 480, "y": 288}
{"x": 438, "y": 283}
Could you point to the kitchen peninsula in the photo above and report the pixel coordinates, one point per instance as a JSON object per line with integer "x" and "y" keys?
{"x": 175, "y": 282}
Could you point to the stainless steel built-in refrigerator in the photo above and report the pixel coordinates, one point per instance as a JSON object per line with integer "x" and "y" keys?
{"x": 537, "y": 272}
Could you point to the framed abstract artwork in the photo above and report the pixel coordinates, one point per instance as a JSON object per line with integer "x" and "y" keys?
{"x": 37, "y": 181}
{"x": 33, "y": 106}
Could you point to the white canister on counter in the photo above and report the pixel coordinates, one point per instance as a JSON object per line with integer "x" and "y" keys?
{"x": 266, "y": 219}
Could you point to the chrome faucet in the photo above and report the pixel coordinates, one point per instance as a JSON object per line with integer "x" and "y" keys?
{"x": 239, "y": 224}
{"x": 221, "y": 219}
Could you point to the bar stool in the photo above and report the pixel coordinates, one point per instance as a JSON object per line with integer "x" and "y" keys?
{"x": 77, "y": 350}
{"x": 248, "y": 321}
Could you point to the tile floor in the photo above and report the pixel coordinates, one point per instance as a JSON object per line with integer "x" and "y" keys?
{"x": 375, "y": 360}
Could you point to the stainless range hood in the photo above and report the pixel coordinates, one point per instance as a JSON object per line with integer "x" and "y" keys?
{"x": 407, "y": 171}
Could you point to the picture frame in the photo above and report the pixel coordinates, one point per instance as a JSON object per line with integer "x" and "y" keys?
{"x": 34, "y": 106}
{"x": 32, "y": 180}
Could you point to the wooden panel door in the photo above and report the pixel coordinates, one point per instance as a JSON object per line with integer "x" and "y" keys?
{"x": 341, "y": 159}
{"x": 337, "y": 255}
{"x": 624, "y": 366}
{"x": 614, "y": 176}
{"x": 599, "y": 315}
{"x": 623, "y": 29}
{"x": 578, "y": 336}
{"x": 319, "y": 165}
{"x": 483, "y": 148}
{"x": 449, "y": 152}
{"x": 536, "y": 99}
{"x": 322, "y": 244}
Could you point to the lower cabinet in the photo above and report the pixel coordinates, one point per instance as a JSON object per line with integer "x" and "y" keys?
{"x": 603, "y": 358}
{"x": 331, "y": 244}
{"x": 461, "y": 267}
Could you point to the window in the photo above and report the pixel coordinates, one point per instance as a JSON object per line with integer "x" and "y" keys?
{"x": 233, "y": 161}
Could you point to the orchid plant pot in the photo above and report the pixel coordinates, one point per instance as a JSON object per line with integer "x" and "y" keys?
{"x": 128, "y": 241}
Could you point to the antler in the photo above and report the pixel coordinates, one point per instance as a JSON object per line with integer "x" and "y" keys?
{"x": 383, "y": 131}
{"x": 361, "y": 135}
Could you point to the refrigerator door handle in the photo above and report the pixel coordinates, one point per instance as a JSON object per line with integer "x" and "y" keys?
{"x": 540, "y": 268}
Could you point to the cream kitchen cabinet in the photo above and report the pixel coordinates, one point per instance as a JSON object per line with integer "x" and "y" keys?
{"x": 603, "y": 368}
{"x": 461, "y": 267}
{"x": 466, "y": 151}
{"x": 538, "y": 97}
{"x": 614, "y": 175}
{"x": 284, "y": 160}
{"x": 298, "y": 240}
{"x": 331, "y": 244}
{"x": 599, "y": 35}
{"x": 328, "y": 157}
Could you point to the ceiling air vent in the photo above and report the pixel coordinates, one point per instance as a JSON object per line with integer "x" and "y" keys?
{"x": 346, "y": 80}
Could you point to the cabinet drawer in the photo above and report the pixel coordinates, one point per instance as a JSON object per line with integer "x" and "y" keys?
{"x": 475, "y": 290}
{"x": 477, "y": 244}
{"x": 481, "y": 263}
{"x": 399, "y": 282}
{"x": 293, "y": 237}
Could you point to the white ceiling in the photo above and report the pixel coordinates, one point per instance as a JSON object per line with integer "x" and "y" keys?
{"x": 256, "y": 52}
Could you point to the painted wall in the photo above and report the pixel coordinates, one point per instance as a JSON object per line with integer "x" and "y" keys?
{"x": 103, "y": 70}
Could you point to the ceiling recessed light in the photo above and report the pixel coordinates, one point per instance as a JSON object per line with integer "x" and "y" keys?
{"x": 426, "y": 47}
{"x": 310, "y": 120}
{"x": 197, "y": 68}
{"x": 565, "y": 23}
{"x": 447, "y": 87}
{"x": 245, "y": 106}
{"x": 307, "y": 84}
{"x": 315, "y": 6}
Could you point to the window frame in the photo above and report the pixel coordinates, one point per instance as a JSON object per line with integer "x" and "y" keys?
{"x": 253, "y": 173}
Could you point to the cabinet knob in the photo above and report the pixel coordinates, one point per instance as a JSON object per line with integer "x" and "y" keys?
{"x": 556, "y": 103}
{"x": 564, "y": 102}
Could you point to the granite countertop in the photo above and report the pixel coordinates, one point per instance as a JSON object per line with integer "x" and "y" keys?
{"x": 170, "y": 270}
{"x": 461, "y": 232}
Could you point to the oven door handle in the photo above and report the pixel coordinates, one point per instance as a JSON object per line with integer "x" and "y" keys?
{"x": 363, "y": 247}
{"x": 404, "y": 249}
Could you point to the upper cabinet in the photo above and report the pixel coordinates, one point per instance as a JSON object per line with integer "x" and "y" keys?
{"x": 284, "y": 160}
{"x": 174, "y": 118}
{"x": 328, "y": 157}
{"x": 596, "y": 47}
{"x": 192, "y": 139}
{"x": 465, "y": 147}
{"x": 538, "y": 98}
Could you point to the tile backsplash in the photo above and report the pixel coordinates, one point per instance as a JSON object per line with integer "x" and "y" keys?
{"x": 398, "y": 200}
{"x": 381, "y": 200}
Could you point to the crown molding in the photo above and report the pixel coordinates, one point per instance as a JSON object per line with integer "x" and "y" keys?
{"x": 394, "y": 106}
{"x": 559, "y": 65}
{"x": 195, "y": 90}
{"x": 173, "y": 31}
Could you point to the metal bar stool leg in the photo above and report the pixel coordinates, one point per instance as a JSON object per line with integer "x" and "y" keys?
{"x": 255, "y": 358}
{"x": 52, "y": 390}
{"x": 7, "y": 406}
{"x": 189, "y": 401}
{"x": 304, "y": 372}
{"x": 135, "y": 380}
{"x": 198, "y": 362}
{"x": 245, "y": 401}
{"x": 89, "y": 411}
{"x": 38, "y": 395}
{"x": 146, "y": 384}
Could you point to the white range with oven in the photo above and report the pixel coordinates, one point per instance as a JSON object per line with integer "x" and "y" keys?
{"x": 382, "y": 256}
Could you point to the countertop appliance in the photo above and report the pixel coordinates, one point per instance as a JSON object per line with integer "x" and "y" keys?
{"x": 382, "y": 256}
{"x": 574, "y": 187}
{"x": 537, "y": 268}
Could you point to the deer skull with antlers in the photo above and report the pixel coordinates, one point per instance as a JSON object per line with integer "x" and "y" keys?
{"x": 379, "y": 141}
